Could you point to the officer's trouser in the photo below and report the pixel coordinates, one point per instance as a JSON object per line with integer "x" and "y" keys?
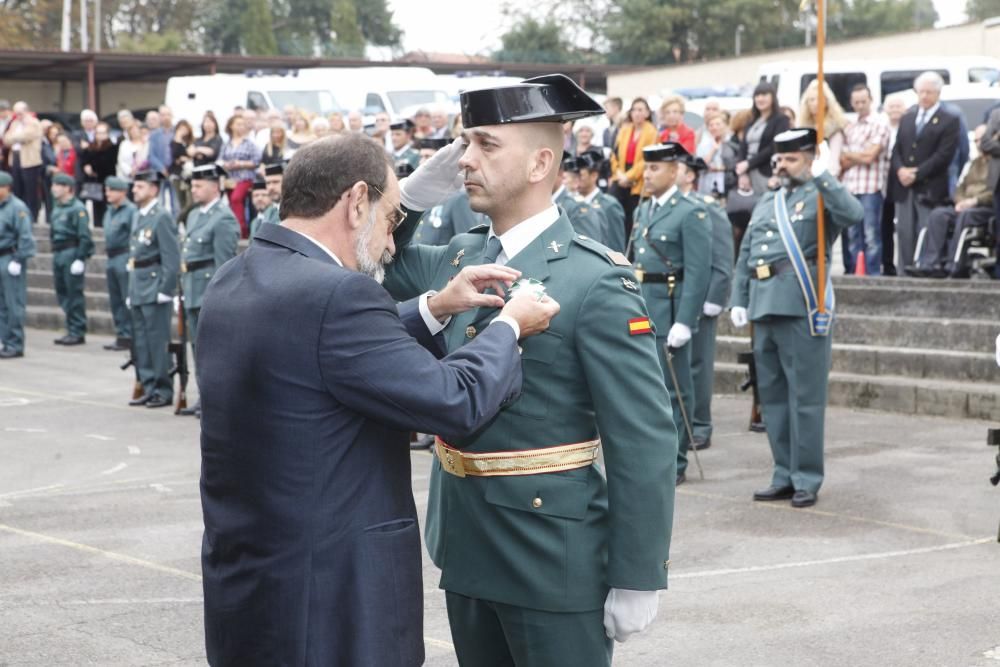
{"x": 703, "y": 375}
{"x": 13, "y": 300}
{"x": 151, "y": 341}
{"x": 793, "y": 368}
{"x": 117, "y": 276}
{"x": 69, "y": 291}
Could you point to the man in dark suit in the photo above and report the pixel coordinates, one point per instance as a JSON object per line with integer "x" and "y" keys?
{"x": 925, "y": 146}
{"x": 311, "y": 551}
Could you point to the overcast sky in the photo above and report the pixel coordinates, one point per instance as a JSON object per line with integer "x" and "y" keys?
{"x": 428, "y": 25}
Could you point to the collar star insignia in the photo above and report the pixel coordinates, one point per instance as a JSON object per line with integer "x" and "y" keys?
{"x": 629, "y": 284}
{"x": 555, "y": 246}
{"x": 458, "y": 258}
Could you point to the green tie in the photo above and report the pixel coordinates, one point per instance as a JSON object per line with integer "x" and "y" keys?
{"x": 492, "y": 251}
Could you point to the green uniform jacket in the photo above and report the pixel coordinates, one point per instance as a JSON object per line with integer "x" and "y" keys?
{"x": 210, "y": 236}
{"x": 154, "y": 235}
{"x": 681, "y": 232}
{"x": 721, "y": 283}
{"x": 615, "y": 214}
{"x": 118, "y": 227}
{"x": 781, "y": 294}
{"x": 15, "y": 229}
{"x": 70, "y": 223}
{"x": 454, "y": 216}
{"x": 407, "y": 155}
{"x": 490, "y": 536}
{"x": 268, "y": 216}
{"x": 589, "y": 220}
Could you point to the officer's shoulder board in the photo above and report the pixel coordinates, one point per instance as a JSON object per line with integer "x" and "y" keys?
{"x": 610, "y": 256}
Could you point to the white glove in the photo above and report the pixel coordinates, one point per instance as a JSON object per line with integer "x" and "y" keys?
{"x": 128, "y": 302}
{"x": 14, "y": 269}
{"x": 822, "y": 162}
{"x": 678, "y": 335}
{"x": 177, "y": 305}
{"x": 77, "y": 267}
{"x": 435, "y": 180}
{"x": 163, "y": 298}
{"x": 738, "y": 315}
{"x": 711, "y": 309}
{"x": 628, "y": 612}
{"x": 998, "y": 350}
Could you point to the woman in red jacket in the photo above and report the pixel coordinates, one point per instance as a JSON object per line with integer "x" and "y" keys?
{"x": 674, "y": 129}
{"x": 65, "y": 155}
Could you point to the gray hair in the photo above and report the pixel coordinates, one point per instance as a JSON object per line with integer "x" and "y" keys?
{"x": 930, "y": 77}
{"x": 88, "y": 114}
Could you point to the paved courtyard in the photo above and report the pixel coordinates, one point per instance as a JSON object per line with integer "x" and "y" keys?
{"x": 100, "y": 531}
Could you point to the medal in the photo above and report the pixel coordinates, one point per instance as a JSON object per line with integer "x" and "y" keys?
{"x": 528, "y": 287}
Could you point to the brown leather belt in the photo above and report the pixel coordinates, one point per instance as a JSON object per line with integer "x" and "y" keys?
{"x": 524, "y": 462}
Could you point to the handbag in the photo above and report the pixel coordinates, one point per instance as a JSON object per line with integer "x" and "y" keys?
{"x": 91, "y": 191}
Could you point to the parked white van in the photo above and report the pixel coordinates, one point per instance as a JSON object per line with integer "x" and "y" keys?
{"x": 398, "y": 91}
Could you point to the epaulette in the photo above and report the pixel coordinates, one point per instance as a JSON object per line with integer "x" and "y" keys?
{"x": 709, "y": 199}
{"x": 608, "y": 255}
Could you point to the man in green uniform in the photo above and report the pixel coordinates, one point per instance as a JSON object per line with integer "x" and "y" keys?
{"x": 428, "y": 146}
{"x": 402, "y": 143}
{"x": 210, "y": 240}
{"x": 261, "y": 201}
{"x": 587, "y": 220}
{"x": 118, "y": 219}
{"x": 71, "y": 248}
{"x": 545, "y": 559}
{"x": 671, "y": 245}
{"x": 719, "y": 286}
{"x": 17, "y": 244}
{"x": 154, "y": 261}
{"x": 590, "y": 165}
{"x": 273, "y": 176}
{"x": 775, "y": 288}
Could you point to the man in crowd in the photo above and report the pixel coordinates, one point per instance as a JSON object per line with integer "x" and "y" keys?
{"x": 422, "y": 123}
{"x": 925, "y": 146}
{"x": 118, "y": 219}
{"x": 791, "y": 341}
{"x": 895, "y": 107}
{"x": 866, "y": 143}
{"x": 261, "y": 203}
{"x": 311, "y": 552}
{"x": 159, "y": 144}
{"x": 539, "y": 538}
{"x": 613, "y": 108}
{"x": 210, "y": 239}
{"x": 355, "y": 121}
{"x": 71, "y": 248}
{"x": 381, "y": 133}
{"x": 17, "y": 245}
{"x": 672, "y": 248}
{"x": 591, "y": 165}
{"x": 23, "y": 142}
{"x": 439, "y": 124}
{"x": 154, "y": 259}
{"x": 942, "y": 251}
{"x": 588, "y": 217}
{"x": 402, "y": 143}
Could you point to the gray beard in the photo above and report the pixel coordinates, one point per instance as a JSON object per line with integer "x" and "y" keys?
{"x": 372, "y": 269}
{"x": 791, "y": 182}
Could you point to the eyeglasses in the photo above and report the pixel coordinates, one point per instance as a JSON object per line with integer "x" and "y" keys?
{"x": 397, "y": 217}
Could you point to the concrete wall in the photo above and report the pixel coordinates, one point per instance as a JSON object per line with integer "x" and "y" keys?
{"x": 974, "y": 39}
{"x": 46, "y": 95}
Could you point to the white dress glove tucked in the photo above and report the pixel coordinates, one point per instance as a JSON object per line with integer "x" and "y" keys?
{"x": 739, "y": 316}
{"x": 128, "y": 302}
{"x": 14, "y": 269}
{"x": 628, "y": 612}
{"x": 435, "y": 180}
{"x": 163, "y": 298}
{"x": 678, "y": 335}
{"x": 77, "y": 267}
{"x": 998, "y": 350}
{"x": 822, "y": 161}
{"x": 711, "y": 309}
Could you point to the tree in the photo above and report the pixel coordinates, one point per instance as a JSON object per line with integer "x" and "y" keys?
{"x": 533, "y": 41}
{"x": 257, "y": 30}
{"x": 980, "y": 10}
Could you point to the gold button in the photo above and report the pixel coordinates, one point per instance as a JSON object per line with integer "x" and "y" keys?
{"x": 642, "y": 250}
{"x": 536, "y": 503}
{"x": 470, "y": 332}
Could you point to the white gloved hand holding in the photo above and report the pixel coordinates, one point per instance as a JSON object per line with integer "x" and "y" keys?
{"x": 628, "y": 612}
{"x": 738, "y": 315}
{"x": 822, "y": 162}
{"x": 678, "y": 335}
{"x": 177, "y": 305}
{"x": 435, "y": 180}
{"x": 163, "y": 298}
{"x": 998, "y": 350}
{"x": 77, "y": 267}
{"x": 14, "y": 268}
{"x": 128, "y": 302}
{"x": 711, "y": 309}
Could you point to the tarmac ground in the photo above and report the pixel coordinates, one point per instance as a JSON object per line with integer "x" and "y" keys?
{"x": 898, "y": 564}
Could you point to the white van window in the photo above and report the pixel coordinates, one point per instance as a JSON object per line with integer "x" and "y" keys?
{"x": 316, "y": 101}
{"x": 402, "y": 99}
{"x": 373, "y": 103}
{"x": 841, "y": 83}
{"x": 990, "y": 75}
{"x": 899, "y": 80}
{"x": 256, "y": 101}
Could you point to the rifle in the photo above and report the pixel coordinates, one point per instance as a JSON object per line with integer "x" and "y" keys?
{"x": 756, "y": 421}
{"x": 179, "y": 350}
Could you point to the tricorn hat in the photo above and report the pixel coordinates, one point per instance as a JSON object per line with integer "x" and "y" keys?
{"x": 405, "y": 124}
{"x": 549, "y": 98}
{"x": 276, "y": 169}
{"x": 799, "y": 139}
{"x": 670, "y": 151}
{"x": 148, "y": 176}
{"x": 207, "y": 172}
{"x": 434, "y": 144}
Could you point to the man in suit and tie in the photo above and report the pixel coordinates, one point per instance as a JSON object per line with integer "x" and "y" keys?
{"x": 925, "y": 146}
{"x": 311, "y": 551}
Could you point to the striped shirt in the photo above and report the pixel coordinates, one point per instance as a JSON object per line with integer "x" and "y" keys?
{"x": 246, "y": 151}
{"x": 864, "y": 179}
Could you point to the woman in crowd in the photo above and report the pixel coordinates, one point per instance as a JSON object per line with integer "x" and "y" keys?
{"x": 757, "y": 145}
{"x": 133, "y": 152}
{"x": 336, "y": 120}
{"x": 627, "y": 163}
{"x": 301, "y": 133}
{"x": 207, "y": 147}
{"x": 276, "y": 151}
{"x": 65, "y": 155}
{"x": 584, "y": 139}
{"x": 320, "y": 127}
{"x": 180, "y": 167}
{"x": 99, "y": 161}
{"x": 674, "y": 129}
{"x": 719, "y": 154}
{"x": 240, "y": 157}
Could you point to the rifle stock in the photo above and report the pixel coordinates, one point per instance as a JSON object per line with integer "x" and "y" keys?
{"x": 756, "y": 420}
{"x": 180, "y": 353}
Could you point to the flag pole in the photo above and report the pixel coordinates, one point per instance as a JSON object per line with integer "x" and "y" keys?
{"x": 820, "y": 127}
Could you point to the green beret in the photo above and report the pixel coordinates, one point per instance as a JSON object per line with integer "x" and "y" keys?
{"x": 63, "y": 179}
{"x": 6, "y": 179}
{"x": 115, "y": 183}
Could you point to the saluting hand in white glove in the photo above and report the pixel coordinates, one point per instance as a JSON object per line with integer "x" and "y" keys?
{"x": 738, "y": 315}
{"x": 435, "y": 180}
{"x": 822, "y": 162}
{"x": 628, "y": 612}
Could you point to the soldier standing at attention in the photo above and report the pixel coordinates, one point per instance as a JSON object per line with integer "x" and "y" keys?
{"x": 17, "y": 244}
{"x": 544, "y": 558}
{"x": 775, "y": 288}
{"x": 719, "y": 287}
{"x": 261, "y": 203}
{"x": 273, "y": 175}
{"x": 401, "y": 135}
{"x": 590, "y": 165}
{"x": 71, "y": 248}
{"x": 118, "y": 218}
{"x": 154, "y": 260}
{"x": 671, "y": 246}
{"x": 210, "y": 240}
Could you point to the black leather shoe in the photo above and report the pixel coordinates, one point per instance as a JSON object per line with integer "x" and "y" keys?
{"x": 758, "y": 427}
{"x": 937, "y": 272}
{"x": 115, "y": 347}
{"x": 681, "y": 478}
{"x": 774, "y": 493}
{"x": 917, "y": 271}
{"x": 425, "y": 441}
{"x": 7, "y": 353}
{"x": 701, "y": 443}
{"x": 193, "y": 411}
{"x": 60, "y": 341}
{"x": 157, "y": 401}
{"x": 142, "y": 400}
{"x": 803, "y": 499}
{"x": 73, "y": 340}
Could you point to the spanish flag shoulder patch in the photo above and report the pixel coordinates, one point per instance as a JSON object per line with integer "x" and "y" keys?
{"x": 639, "y": 325}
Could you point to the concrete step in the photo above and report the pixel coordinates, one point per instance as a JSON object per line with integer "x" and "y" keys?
{"x": 52, "y": 317}
{"x": 96, "y": 301}
{"x": 915, "y": 283}
{"x": 93, "y": 282}
{"x": 888, "y": 393}
{"x": 905, "y": 332}
{"x": 43, "y": 262}
{"x": 941, "y": 301}
{"x": 881, "y": 360}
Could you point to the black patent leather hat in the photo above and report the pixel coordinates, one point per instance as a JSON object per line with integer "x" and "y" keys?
{"x": 542, "y": 99}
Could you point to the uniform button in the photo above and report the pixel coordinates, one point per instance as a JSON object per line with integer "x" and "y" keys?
{"x": 536, "y": 503}
{"x": 153, "y": 274}
{"x": 663, "y": 237}
{"x": 470, "y": 332}
{"x": 769, "y": 234}
{"x": 760, "y": 262}
{"x": 642, "y": 250}
{"x": 639, "y": 265}
{"x": 764, "y": 247}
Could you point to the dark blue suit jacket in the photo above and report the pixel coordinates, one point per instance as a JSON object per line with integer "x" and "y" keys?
{"x": 310, "y": 384}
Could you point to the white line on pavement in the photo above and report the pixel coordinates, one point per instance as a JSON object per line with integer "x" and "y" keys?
{"x": 97, "y": 436}
{"x": 117, "y": 468}
{"x": 14, "y": 494}
{"x": 14, "y": 429}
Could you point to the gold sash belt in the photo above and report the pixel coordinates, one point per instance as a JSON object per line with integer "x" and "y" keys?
{"x": 524, "y": 462}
